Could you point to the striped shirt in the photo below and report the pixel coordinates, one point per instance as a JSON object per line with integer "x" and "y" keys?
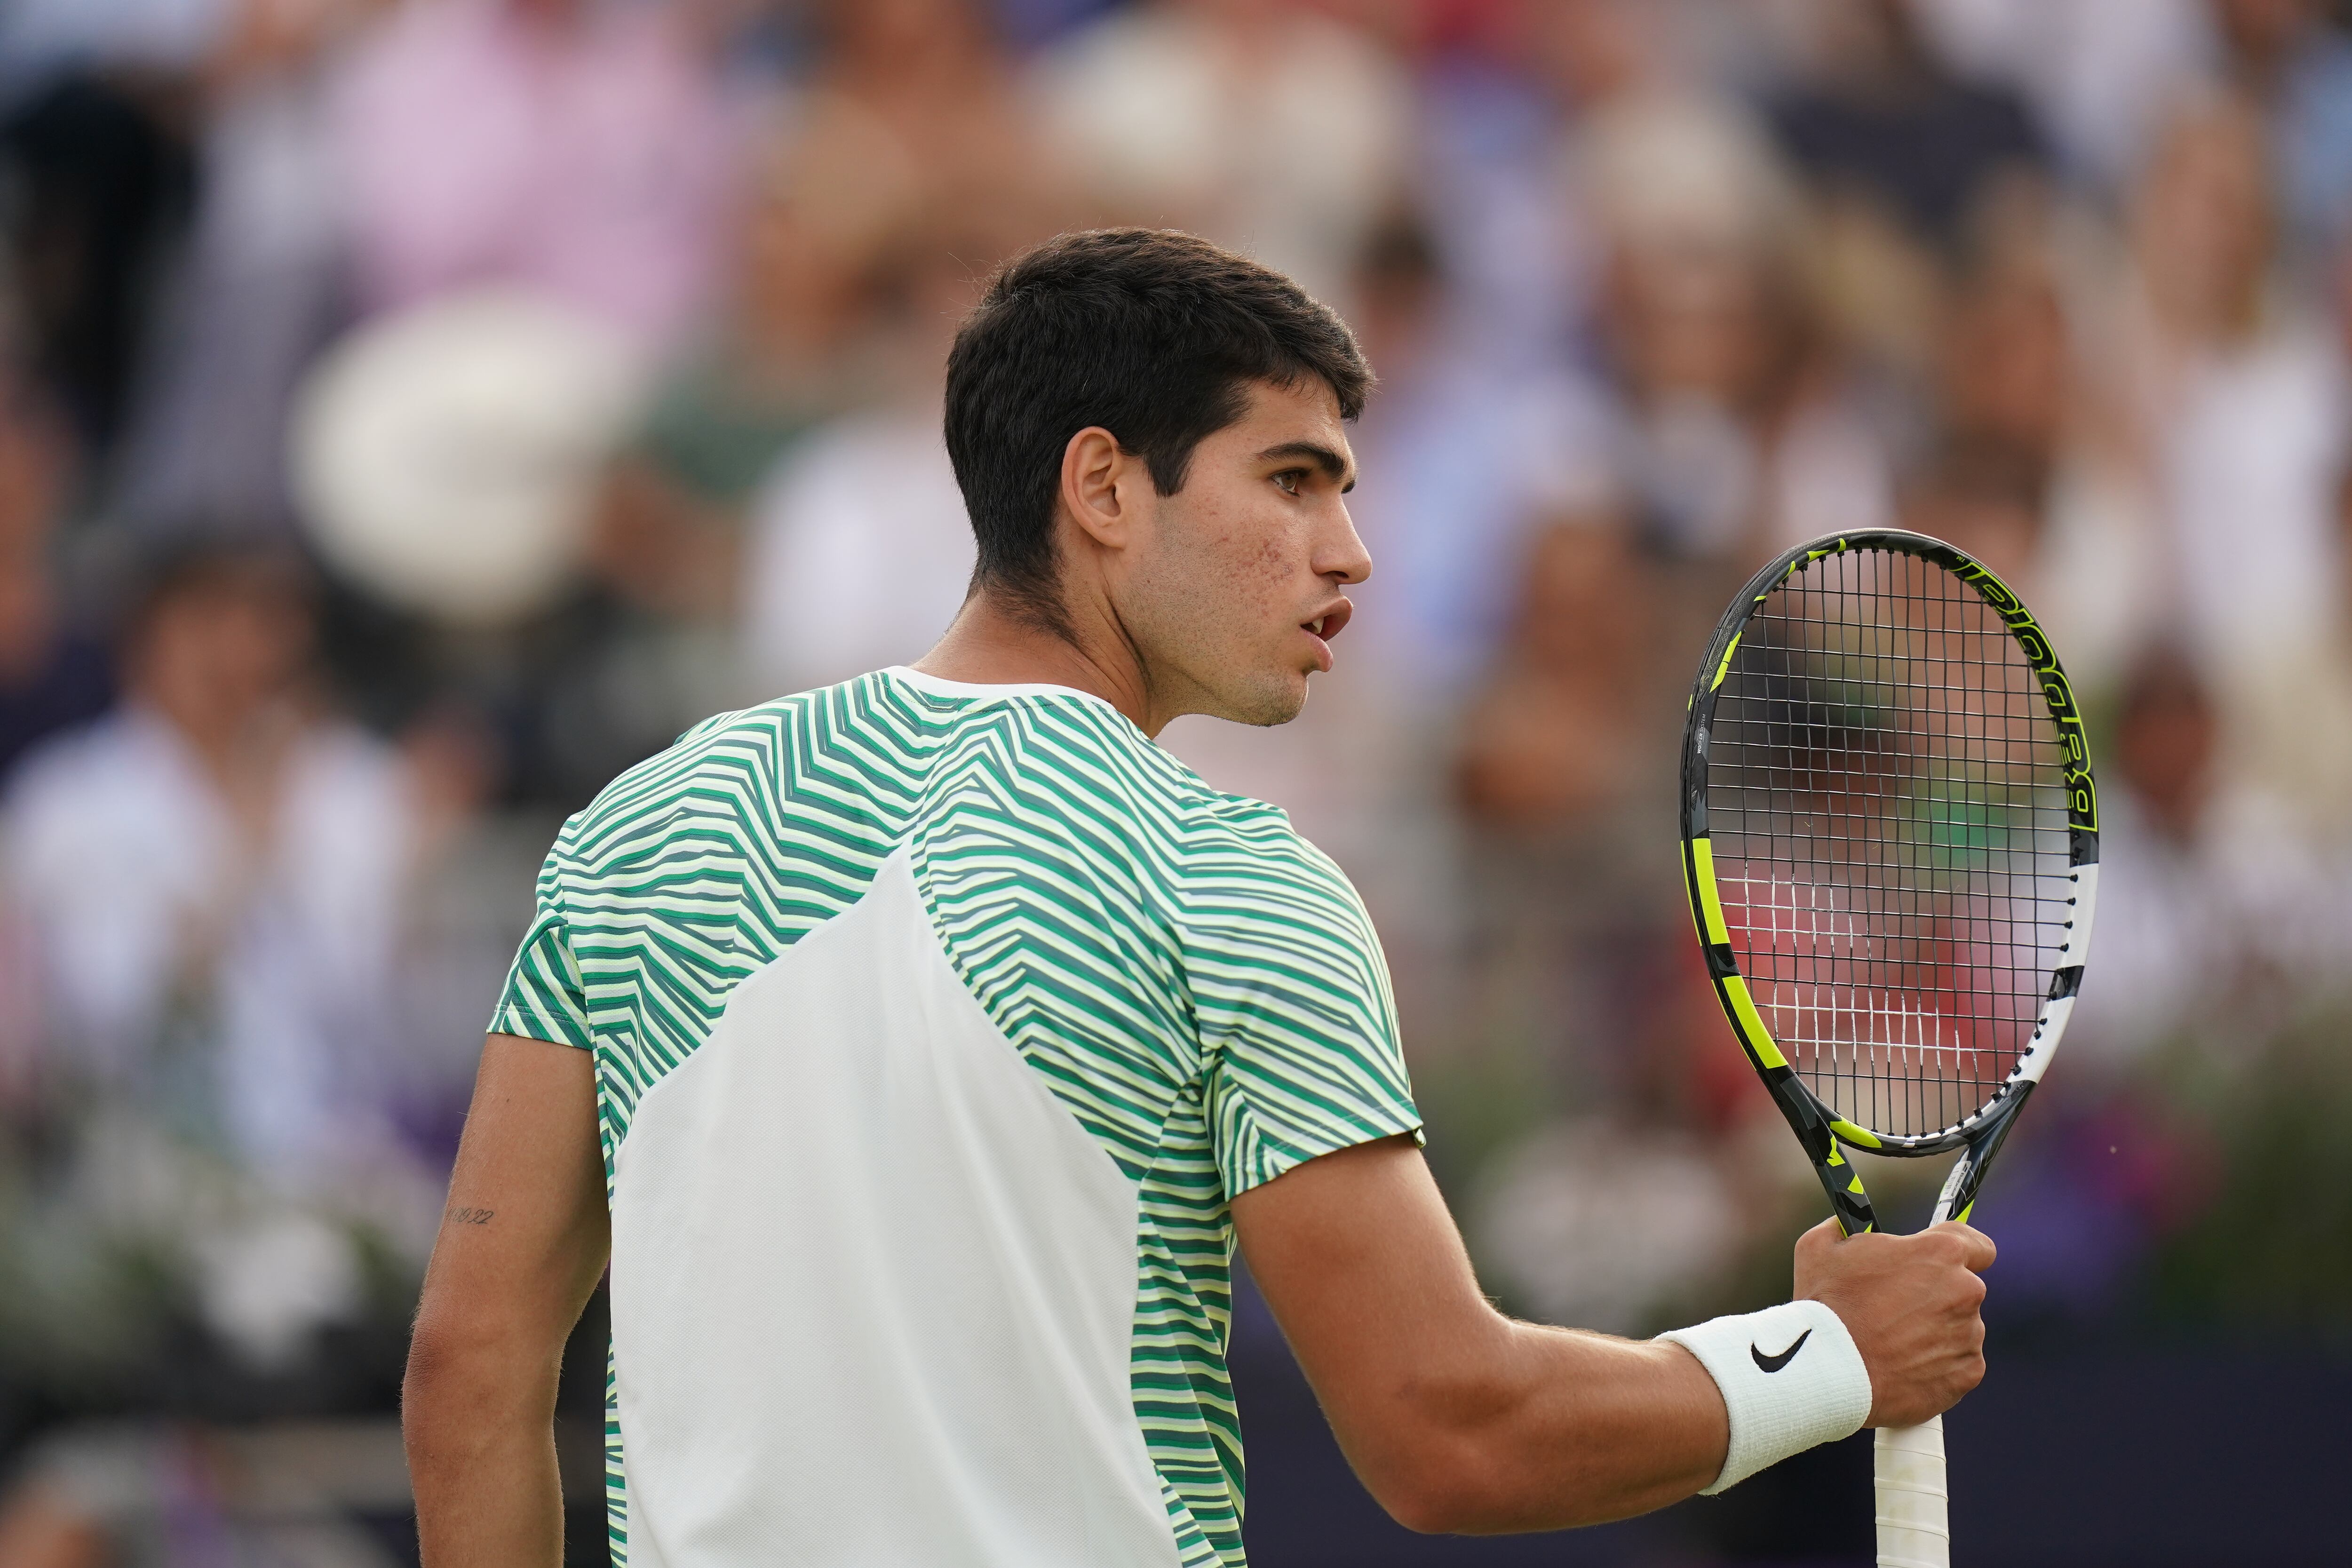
{"x": 934, "y": 1026}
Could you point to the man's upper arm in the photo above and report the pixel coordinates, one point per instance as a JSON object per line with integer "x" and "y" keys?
{"x": 1359, "y": 1260}
{"x": 525, "y": 1237}
{"x": 527, "y": 1230}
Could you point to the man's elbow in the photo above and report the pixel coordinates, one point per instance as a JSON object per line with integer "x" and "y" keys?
{"x": 1430, "y": 1509}
{"x": 461, "y": 1379}
{"x": 1440, "y": 1488}
{"x": 1465, "y": 1486}
{"x": 436, "y": 1381}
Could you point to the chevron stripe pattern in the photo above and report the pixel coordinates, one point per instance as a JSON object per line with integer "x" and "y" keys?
{"x": 1197, "y": 984}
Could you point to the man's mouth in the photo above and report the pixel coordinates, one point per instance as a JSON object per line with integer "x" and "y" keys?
{"x": 1327, "y": 625}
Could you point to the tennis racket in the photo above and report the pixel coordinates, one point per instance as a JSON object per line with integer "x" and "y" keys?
{"x": 1890, "y": 835}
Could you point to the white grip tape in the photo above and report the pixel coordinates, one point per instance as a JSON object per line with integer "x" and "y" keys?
{"x": 1914, "y": 1529}
{"x": 1790, "y": 1378}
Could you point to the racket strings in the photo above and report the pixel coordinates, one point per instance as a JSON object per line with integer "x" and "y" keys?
{"x": 1886, "y": 802}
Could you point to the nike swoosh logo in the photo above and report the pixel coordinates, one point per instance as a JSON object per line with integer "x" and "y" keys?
{"x": 1775, "y": 1363}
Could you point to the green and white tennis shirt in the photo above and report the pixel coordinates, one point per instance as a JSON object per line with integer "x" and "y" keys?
{"x": 935, "y": 1025}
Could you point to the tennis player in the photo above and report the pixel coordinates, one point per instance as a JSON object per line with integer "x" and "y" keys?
{"x": 915, "y": 1049}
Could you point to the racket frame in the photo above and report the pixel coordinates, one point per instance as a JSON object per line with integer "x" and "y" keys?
{"x": 1824, "y": 1135}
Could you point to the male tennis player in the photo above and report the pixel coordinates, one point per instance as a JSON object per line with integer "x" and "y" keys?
{"x": 915, "y": 1048}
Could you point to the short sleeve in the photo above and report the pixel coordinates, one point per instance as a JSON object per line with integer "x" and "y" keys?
{"x": 1297, "y": 1021}
{"x": 543, "y": 999}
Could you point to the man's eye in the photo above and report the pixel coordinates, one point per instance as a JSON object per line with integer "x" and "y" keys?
{"x": 1289, "y": 481}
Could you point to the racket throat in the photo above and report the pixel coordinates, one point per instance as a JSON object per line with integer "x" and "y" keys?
{"x": 1839, "y": 1180}
{"x": 1959, "y": 1197}
{"x": 1842, "y": 1183}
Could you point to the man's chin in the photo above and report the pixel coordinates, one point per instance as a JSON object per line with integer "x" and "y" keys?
{"x": 1277, "y": 702}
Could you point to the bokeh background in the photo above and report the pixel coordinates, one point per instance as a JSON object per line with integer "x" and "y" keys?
{"x": 413, "y": 412}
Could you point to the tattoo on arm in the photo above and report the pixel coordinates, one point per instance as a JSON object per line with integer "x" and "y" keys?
{"x": 458, "y": 1215}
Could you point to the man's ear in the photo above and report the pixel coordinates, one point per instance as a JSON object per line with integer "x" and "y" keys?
{"x": 1100, "y": 486}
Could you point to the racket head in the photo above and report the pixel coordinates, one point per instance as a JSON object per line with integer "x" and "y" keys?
{"x": 1890, "y": 837}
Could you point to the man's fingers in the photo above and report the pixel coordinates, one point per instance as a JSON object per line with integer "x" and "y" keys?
{"x": 1977, "y": 1252}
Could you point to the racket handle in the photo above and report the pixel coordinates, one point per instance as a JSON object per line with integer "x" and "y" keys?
{"x": 1913, "y": 1530}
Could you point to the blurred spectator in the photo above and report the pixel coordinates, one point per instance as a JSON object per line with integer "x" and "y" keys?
{"x": 927, "y": 76}
{"x": 579, "y": 147}
{"x": 2105, "y": 75}
{"x": 1464, "y": 463}
{"x": 2237, "y": 402}
{"x": 1906, "y": 166}
{"x": 1500, "y": 123}
{"x": 831, "y": 193}
{"x": 861, "y": 551}
{"x": 2010, "y": 390}
{"x": 261, "y": 282}
{"x": 1606, "y": 1227}
{"x": 2005, "y": 370}
{"x": 1256, "y": 122}
{"x": 103, "y": 182}
{"x": 2211, "y": 906}
{"x": 2100, "y": 74}
{"x": 129, "y": 1495}
{"x": 1743, "y": 430}
{"x": 245, "y": 1087}
{"x": 214, "y": 879}
{"x": 2298, "y": 65}
{"x": 911, "y": 128}
{"x": 52, "y": 675}
{"x": 1564, "y": 779}
{"x": 1879, "y": 117}
{"x": 1560, "y": 738}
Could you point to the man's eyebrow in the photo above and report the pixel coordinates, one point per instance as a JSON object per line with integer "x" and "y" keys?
{"x": 1333, "y": 465}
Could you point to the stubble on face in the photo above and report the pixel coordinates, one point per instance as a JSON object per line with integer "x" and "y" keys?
{"x": 1238, "y": 562}
{"x": 1215, "y": 597}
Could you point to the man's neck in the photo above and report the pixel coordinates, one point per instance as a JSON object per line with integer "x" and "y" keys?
{"x": 993, "y": 644}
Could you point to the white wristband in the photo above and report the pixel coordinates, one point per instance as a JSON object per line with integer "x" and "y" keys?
{"x": 1790, "y": 1378}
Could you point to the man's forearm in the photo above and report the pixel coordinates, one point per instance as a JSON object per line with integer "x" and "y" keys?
{"x": 481, "y": 1458}
{"x": 1530, "y": 1427}
{"x": 1609, "y": 1428}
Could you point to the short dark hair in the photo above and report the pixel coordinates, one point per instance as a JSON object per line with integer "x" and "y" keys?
{"x": 1152, "y": 334}
{"x": 199, "y": 564}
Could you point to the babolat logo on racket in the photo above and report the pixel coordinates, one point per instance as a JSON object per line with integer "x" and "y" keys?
{"x": 2082, "y": 795}
{"x": 1775, "y": 1363}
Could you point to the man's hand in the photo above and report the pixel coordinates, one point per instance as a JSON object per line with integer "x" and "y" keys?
{"x": 1910, "y": 1302}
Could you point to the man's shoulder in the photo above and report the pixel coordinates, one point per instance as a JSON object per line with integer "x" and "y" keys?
{"x": 865, "y": 755}
{"x": 1077, "y": 757}
{"x": 1236, "y": 836}
{"x": 1253, "y": 882}
{"x": 746, "y": 769}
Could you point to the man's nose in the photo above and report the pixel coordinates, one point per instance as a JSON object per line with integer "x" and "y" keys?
{"x": 1346, "y": 561}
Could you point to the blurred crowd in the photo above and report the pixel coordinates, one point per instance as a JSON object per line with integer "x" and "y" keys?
{"x": 411, "y": 412}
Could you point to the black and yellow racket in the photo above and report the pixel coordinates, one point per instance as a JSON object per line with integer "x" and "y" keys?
{"x": 1891, "y": 839}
